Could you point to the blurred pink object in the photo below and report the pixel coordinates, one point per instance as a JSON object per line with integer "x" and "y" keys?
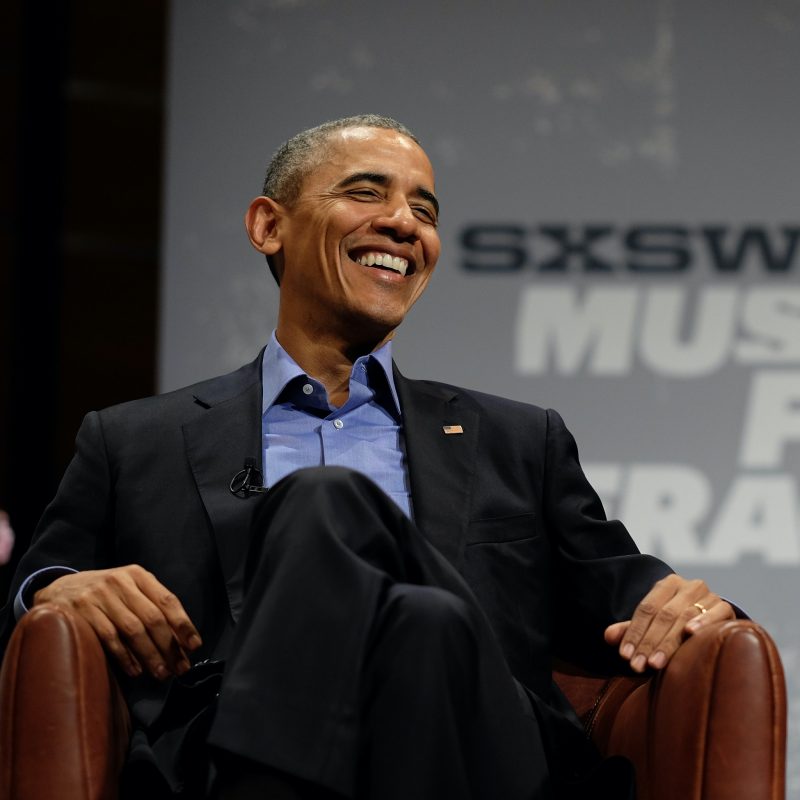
{"x": 6, "y": 538}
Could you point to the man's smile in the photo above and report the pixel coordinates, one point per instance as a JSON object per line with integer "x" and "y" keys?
{"x": 380, "y": 258}
{"x": 384, "y": 261}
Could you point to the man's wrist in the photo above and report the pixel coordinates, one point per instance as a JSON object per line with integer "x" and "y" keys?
{"x": 35, "y": 581}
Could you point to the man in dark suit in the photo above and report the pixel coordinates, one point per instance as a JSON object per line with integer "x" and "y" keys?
{"x": 366, "y": 654}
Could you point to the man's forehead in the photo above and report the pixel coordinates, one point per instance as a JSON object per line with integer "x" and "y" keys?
{"x": 363, "y": 149}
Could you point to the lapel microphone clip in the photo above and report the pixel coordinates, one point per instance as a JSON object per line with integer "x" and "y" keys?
{"x": 248, "y": 480}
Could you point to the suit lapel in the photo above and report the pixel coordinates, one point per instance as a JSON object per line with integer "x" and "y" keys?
{"x": 217, "y": 444}
{"x": 441, "y": 465}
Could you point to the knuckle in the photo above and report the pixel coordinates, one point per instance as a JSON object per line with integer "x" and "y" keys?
{"x": 646, "y": 646}
{"x": 167, "y": 599}
{"x": 638, "y": 626}
{"x": 633, "y": 634}
{"x": 110, "y": 638}
{"x": 83, "y": 600}
{"x": 131, "y": 627}
{"x": 111, "y": 580}
{"x": 668, "y": 615}
{"x": 106, "y": 631}
{"x": 154, "y": 661}
{"x": 112, "y": 641}
{"x": 636, "y": 640}
{"x": 688, "y": 613}
{"x": 151, "y": 618}
{"x": 137, "y": 572}
{"x": 647, "y": 608}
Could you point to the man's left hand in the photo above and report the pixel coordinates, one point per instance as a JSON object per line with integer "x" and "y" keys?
{"x": 672, "y": 610}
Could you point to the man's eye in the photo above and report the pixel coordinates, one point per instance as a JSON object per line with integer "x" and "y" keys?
{"x": 363, "y": 194}
{"x": 425, "y": 213}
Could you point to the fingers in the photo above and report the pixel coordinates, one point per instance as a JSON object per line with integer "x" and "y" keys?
{"x": 139, "y": 622}
{"x": 672, "y": 610}
{"x": 108, "y": 635}
{"x": 144, "y": 630}
{"x": 170, "y": 607}
{"x": 614, "y": 633}
{"x": 718, "y": 611}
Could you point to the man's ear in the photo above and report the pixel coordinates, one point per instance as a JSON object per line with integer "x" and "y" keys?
{"x": 262, "y": 222}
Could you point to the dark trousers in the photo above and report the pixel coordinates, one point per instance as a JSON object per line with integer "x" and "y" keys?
{"x": 362, "y": 662}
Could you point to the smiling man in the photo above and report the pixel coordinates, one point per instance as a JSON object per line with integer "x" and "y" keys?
{"x": 361, "y": 239}
{"x": 380, "y": 622}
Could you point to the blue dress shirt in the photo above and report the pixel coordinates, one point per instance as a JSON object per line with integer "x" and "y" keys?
{"x": 300, "y": 428}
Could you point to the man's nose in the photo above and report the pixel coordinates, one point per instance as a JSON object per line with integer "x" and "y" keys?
{"x": 398, "y": 220}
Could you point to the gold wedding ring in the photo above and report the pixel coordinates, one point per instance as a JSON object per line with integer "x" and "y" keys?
{"x": 703, "y": 609}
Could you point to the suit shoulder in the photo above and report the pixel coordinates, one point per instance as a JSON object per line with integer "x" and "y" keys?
{"x": 491, "y": 403}
{"x": 505, "y": 405}
{"x": 185, "y": 401}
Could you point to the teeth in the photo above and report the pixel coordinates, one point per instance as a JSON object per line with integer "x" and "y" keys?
{"x": 384, "y": 260}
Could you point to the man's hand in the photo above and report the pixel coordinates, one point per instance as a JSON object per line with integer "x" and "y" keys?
{"x": 672, "y": 610}
{"x": 140, "y": 623}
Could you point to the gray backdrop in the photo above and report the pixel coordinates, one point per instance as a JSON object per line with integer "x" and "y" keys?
{"x": 620, "y": 236}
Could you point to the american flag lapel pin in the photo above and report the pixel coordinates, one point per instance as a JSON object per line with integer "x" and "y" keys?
{"x": 451, "y": 429}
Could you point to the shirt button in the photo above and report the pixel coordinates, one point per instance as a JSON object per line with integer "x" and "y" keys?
{"x": 338, "y": 424}
{"x": 308, "y": 389}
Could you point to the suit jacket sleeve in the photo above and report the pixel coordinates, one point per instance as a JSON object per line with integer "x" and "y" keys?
{"x": 76, "y": 528}
{"x": 600, "y": 573}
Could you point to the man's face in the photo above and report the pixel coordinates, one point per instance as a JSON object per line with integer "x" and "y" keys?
{"x": 360, "y": 243}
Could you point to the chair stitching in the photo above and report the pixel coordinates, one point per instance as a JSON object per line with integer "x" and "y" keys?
{"x": 724, "y": 640}
{"x": 777, "y": 776}
{"x": 591, "y": 718}
{"x": 81, "y": 697}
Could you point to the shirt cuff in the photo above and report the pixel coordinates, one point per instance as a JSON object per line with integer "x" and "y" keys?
{"x": 740, "y": 614}
{"x": 24, "y": 599}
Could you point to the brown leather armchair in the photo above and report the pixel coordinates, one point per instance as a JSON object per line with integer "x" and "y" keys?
{"x": 712, "y": 726}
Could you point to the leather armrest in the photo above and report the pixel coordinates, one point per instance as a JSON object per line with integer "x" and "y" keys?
{"x": 712, "y": 725}
{"x": 64, "y": 726}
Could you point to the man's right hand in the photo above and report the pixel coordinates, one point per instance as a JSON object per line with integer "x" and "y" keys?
{"x": 140, "y": 622}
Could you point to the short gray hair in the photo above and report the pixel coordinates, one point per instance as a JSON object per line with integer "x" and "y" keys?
{"x": 298, "y": 156}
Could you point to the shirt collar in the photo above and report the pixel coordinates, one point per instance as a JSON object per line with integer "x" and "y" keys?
{"x": 278, "y": 368}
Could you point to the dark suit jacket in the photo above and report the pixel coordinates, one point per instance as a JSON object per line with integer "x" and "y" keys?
{"x": 505, "y": 501}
